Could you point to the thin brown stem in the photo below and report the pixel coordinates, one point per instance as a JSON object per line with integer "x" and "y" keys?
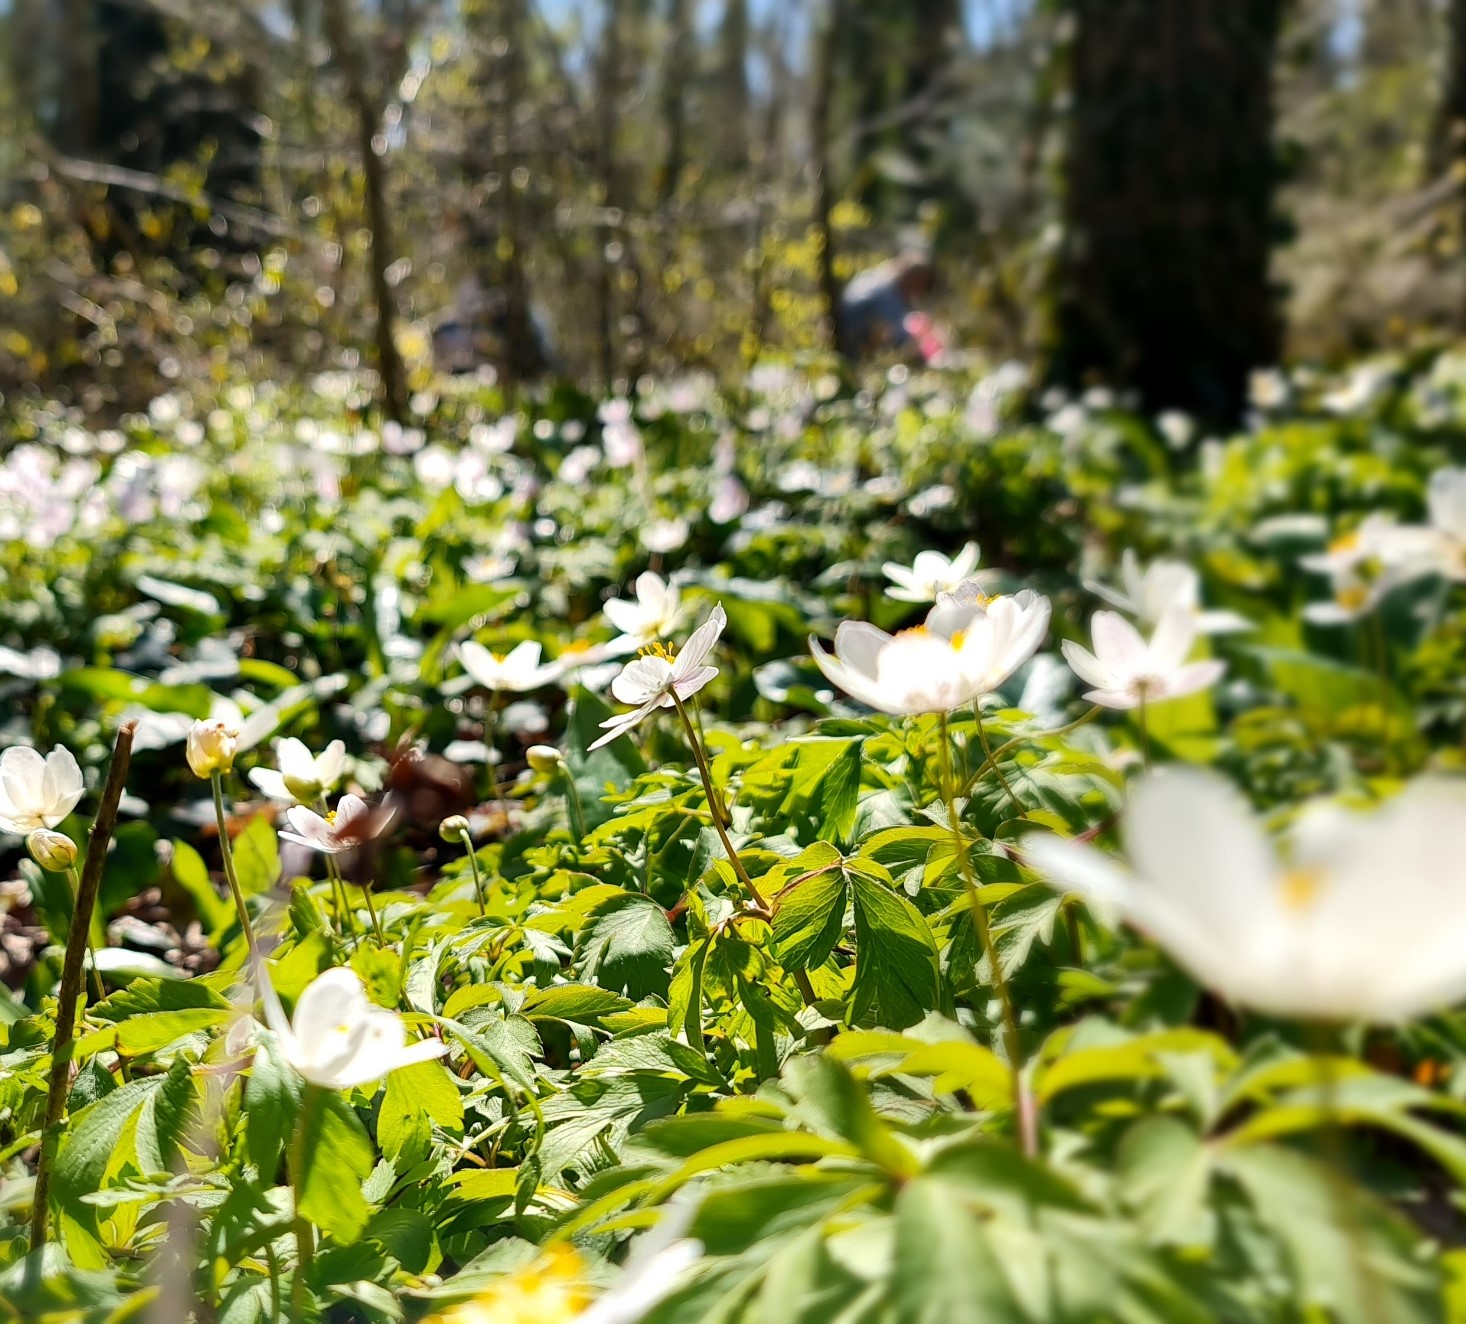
{"x": 98, "y": 992}
{"x": 992, "y": 763}
{"x": 71, "y": 975}
{"x": 226, "y": 856}
{"x": 1022, "y": 1117}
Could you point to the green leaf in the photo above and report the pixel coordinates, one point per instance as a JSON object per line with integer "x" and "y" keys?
{"x": 192, "y": 875}
{"x": 257, "y": 857}
{"x": 897, "y": 979}
{"x": 163, "y": 1119}
{"x": 809, "y": 916}
{"x": 1164, "y": 1173}
{"x": 425, "y": 1091}
{"x": 336, "y": 1158}
{"x": 94, "y": 1136}
{"x": 840, "y": 794}
{"x": 615, "y": 765}
{"x": 832, "y": 1102}
{"x": 945, "y": 1269}
{"x": 626, "y": 945}
{"x": 272, "y": 1094}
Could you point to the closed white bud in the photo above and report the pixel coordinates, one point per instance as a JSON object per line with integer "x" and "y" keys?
{"x": 211, "y": 747}
{"x": 53, "y": 851}
{"x": 453, "y": 828}
{"x": 544, "y": 758}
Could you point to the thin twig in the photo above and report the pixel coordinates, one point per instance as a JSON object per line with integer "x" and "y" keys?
{"x": 76, "y": 945}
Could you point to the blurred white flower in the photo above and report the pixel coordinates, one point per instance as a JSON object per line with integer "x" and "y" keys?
{"x": 1148, "y": 594}
{"x": 730, "y": 500}
{"x": 963, "y": 651}
{"x": 1310, "y": 934}
{"x": 1267, "y": 388}
{"x": 302, "y": 777}
{"x": 657, "y": 1265}
{"x": 339, "y": 1038}
{"x": 1177, "y": 428}
{"x": 37, "y": 792}
{"x": 338, "y": 830}
{"x": 620, "y": 437}
{"x": 518, "y": 670}
{"x": 1127, "y": 671}
{"x": 654, "y": 613}
{"x": 1364, "y": 565}
{"x": 1446, "y": 498}
{"x": 930, "y": 574}
{"x": 659, "y": 678}
{"x": 664, "y": 535}
{"x": 211, "y": 746}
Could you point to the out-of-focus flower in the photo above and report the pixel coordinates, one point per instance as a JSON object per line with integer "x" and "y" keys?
{"x": 1309, "y": 934}
{"x": 453, "y": 828}
{"x": 730, "y": 500}
{"x": 37, "y": 792}
{"x": 53, "y": 851}
{"x": 330, "y": 833}
{"x": 211, "y": 746}
{"x": 303, "y": 777}
{"x": 518, "y": 670}
{"x": 1446, "y": 498}
{"x": 1366, "y": 564}
{"x": 1177, "y": 428}
{"x": 930, "y": 574}
{"x": 664, "y": 535}
{"x": 338, "y": 1037}
{"x": 659, "y": 678}
{"x": 1267, "y": 388}
{"x": 1148, "y": 594}
{"x": 654, "y": 613}
{"x": 963, "y": 651}
{"x": 1126, "y": 670}
{"x": 620, "y": 437}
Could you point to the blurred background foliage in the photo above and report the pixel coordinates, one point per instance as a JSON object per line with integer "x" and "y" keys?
{"x": 1157, "y": 193}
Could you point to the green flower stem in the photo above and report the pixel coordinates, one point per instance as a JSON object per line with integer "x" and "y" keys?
{"x": 71, "y": 977}
{"x": 98, "y": 992}
{"x": 1022, "y": 1116}
{"x": 491, "y": 736}
{"x": 366, "y": 892}
{"x": 1008, "y": 746}
{"x": 572, "y": 800}
{"x": 304, "y": 1232}
{"x": 478, "y": 881}
{"x": 226, "y": 854}
{"x": 715, "y": 806}
{"x": 339, "y": 896}
{"x": 992, "y": 763}
{"x": 1140, "y": 716}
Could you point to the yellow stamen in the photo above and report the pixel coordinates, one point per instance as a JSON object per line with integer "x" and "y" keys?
{"x": 1301, "y": 887}
{"x": 958, "y": 637}
{"x": 1347, "y": 543}
{"x": 916, "y": 631}
{"x": 1354, "y": 597}
{"x": 330, "y": 815}
{"x": 549, "y": 1291}
{"x": 663, "y": 651}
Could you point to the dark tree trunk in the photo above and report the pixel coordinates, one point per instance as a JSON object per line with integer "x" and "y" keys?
{"x": 1163, "y": 283}
{"x": 374, "y": 180}
{"x": 732, "y": 105}
{"x": 1448, "y": 150}
{"x": 827, "y": 39}
{"x": 681, "y": 50}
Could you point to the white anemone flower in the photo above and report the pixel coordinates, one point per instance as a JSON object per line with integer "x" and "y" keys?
{"x": 331, "y": 833}
{"x": 656, "y": 1268}
{"x": 37, "y": 792}
{"x": 1446, "y": 498}
{"x": 965, "y": 650}
{"x": 654, "y": 613}
{"x": 518, "y": 670}
{"x": 660, "y": 678}
{"x": 303, "y": 777}
{"x": 339, "y": 1038}
{"x": 1147, "y": 594}
{"x": 930, "y": 574}
{"x": 1365, "y": 564}
{"x": 1363, "y": 918}
{"x": 1126, "y": 670}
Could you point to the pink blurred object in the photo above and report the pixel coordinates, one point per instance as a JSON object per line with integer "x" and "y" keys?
{"x": 928, "y": 335}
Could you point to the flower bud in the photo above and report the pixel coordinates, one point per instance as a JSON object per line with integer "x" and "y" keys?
{"x": 53, "y": 851}
{"x": 453, "y": 828}
{"x": 211, "y": 747}
{"x": 544, "y": 758}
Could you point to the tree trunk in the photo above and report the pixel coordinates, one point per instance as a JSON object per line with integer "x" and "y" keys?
{"x": 827, "y": 40}
{"x": 1448, "y": 148}
{"x": 608, "y": 106}
{"x": 374, "y": 179}
{"x": 681, "y": 50}
{"x": 1163, "y": 284}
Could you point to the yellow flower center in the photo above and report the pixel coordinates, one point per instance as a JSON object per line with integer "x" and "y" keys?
{"x": 663, "y": 651}
{"x": 1347, "y": 543}
{"x": 549, "y": 1291}
{"x": 330, "y": 815}
{"x": 914, "y": 632}
{"x": 1352, "y": 597}
{"x": 958, "y": 638}
{"x": 1301, "y": 887}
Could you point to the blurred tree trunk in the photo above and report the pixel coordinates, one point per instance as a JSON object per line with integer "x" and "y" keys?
{"x": 681, "y": 50}
{"x": 1448, "y": 146}
{"x": 374, "y": 180}
{"x": 1163, "y": 283}
{"x": 733, "y": 100}
{"x": 827, "y": 39}
{"x": 608, "y": 106}
{"x": 77, "y": 105}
